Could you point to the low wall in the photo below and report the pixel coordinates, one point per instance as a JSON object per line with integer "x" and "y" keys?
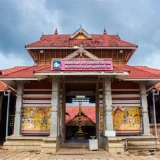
{"x": 153, "y": 132}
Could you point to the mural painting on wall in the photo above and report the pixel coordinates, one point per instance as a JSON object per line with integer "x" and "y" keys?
{"x": 36, "y": 118}
{"x": 126, "y": 118}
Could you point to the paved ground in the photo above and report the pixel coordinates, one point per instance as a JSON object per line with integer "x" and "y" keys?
{"x": 85, "y": 155}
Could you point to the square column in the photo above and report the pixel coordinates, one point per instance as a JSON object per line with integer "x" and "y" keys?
{"x": 54, "y": 109}
{"x": 18, "y": 111}
{"x": 144, "y": 108}
{"x": 108, "y": 121}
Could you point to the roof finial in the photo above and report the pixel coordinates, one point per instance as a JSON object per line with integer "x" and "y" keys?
{"x": 104, "y": 31}
{"x": 118, "y": 35}
{"x": 56, "y": 31}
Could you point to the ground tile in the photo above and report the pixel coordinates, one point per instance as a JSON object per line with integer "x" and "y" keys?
{"x": 10, "y": 155}
{"x": 45, "y": 156}
{"x": 153, "y": 158}
{"x": 116, "y": 155}
{"x": 17, "y": 155}
{"x": 38, "y": 157}
{"x": 29, "y": 157}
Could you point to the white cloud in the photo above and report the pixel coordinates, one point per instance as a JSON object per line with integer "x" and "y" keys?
{"x": 10, "y": 60}
{"x": 35, "y": 16}
{"x": 153, "y": 60}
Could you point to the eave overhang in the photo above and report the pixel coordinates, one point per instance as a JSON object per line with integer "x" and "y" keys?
{"x": 18, "y": 79}
{"x": 143, "y": 79}
{"x": 75, "y": 47}
{"x": 81, "y": 73}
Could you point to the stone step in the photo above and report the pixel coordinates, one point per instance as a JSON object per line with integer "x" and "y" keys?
{"x": 75, "y": 145}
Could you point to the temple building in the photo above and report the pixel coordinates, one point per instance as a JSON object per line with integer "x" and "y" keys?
{"x": 91, "y": 71}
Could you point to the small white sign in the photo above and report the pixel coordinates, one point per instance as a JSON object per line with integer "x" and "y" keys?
{"x": 110, "y": 133}
{"x": 93, "y": 144}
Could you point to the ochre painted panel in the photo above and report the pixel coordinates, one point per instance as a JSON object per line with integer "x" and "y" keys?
{"x": 36, "y": 118}
{"x": 126, "y": 118}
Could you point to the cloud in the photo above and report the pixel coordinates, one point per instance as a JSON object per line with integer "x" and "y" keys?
{"x": 23, "y": 22}
{"x": 153, "y": 60}
{"x": 10, "y": 60}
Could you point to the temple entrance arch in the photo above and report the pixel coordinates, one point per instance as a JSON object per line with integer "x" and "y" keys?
{"x": 79, "y": 116}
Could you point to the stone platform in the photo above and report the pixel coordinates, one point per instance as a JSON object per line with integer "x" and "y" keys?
{"x": 117, "y": 144}
{"x": 28, "y": 143}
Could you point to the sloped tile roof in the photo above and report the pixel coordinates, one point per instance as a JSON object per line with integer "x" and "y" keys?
{"x": 140, "y": 73}
{"x": 3, "y": 86}
{"x": 26, "y": 72}
{"x": 89, "y": 111}
{"x": 134, "y": 72}
{"x": 14, "y": 69}
{"x": 98, "y": 40}
{"x": 151, "y": 70}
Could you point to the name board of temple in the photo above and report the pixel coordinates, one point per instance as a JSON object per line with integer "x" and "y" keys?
{"x": 82, "y": 65}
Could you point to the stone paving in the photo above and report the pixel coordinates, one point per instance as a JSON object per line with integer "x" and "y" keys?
{"x": 79, "y": 154}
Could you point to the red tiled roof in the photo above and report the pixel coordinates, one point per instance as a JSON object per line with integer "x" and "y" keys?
{"x": 89, "y": 111}
{"x": 151, "y": 70}
{"x": 14, "y": 69}
{"x": 5, "y": 72}
{"x": 134, "y": 72}
{"x": 3, "y": 86}
{"x": 98, "y": 40}
{"x": 26, "y": 72}
{"x": 157, "y": 86}
{"x": 139, "y": 73}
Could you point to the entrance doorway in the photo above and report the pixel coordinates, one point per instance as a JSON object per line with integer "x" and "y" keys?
{"x": 80, "y": 119}
{"x": 79, "y": 113}
{"x": 3, "y": 117}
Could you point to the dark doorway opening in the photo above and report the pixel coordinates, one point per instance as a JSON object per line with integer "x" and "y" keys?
{"x": 4, "y": 116}
{"x": 80, "y": 113}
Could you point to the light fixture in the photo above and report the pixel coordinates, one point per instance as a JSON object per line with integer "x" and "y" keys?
{"x": 121, "y": 51}
{"x": 41, "y": 51}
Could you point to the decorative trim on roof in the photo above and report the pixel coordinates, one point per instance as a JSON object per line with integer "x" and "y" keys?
{"x": 81, "y": 51}
{"x": 80, "y": 31}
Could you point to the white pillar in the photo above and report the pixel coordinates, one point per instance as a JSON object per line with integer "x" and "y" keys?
{"x": 108, "y": 124}
{"x": 54, "y": 109}
{"x": 18, "y": 111}
{"x": 144, "y": 108}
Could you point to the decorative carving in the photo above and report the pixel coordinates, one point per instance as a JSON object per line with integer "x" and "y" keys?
{"x": 80, "y": 31}
{"x": 82, "y": 53}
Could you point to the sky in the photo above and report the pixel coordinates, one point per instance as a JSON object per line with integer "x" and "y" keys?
{"x": 24, "y": 21}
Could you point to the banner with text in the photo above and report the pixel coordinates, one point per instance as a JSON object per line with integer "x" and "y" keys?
{"x": 82, "y": 65}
